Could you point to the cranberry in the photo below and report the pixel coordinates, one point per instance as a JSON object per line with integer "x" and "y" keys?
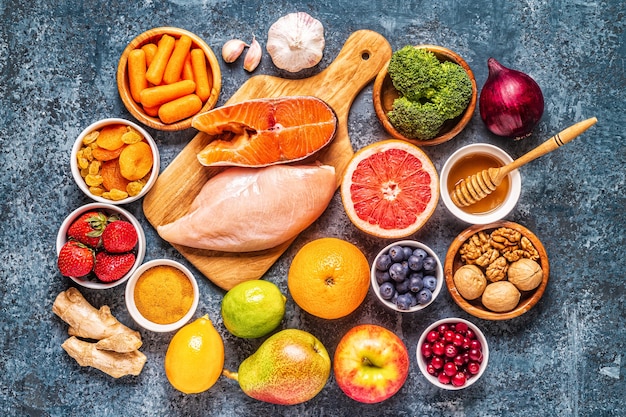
{"x": 439, "y": 348}
{"x": 473, "y": 368}
{"x": 476, "y": 355}
{"x": 443, "y": 378}
{"x": 442, "y": 328}
{"x": 461, "y": 328}
{"x": 459, "y": 379}
{"x": 431, "y": 369}
{"x": 459, "y": 360}
{"x": 451, "y": 351}
{"x": 466, "y": 343}
{"x": 458, "y": 339}
{"x": 448, "y": 336}
{"x": 432, "y": 336}
{"x": 470, "y": 334}
{"x": 437, "y": 362}
{"x": 450, "y": 368}
{"x": 427, "y": 350}
{"x": 475, "y": 344}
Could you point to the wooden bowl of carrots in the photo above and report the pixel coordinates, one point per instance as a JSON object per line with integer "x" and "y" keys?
{"x": 166, "y": 76}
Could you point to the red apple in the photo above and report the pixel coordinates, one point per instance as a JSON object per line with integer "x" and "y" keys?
{"x": 371, "y": 363}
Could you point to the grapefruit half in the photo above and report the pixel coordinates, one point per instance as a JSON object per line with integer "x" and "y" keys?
{"x": 390, "y": 189}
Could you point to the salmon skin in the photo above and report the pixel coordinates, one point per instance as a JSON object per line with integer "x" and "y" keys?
{"x": 268, "y": 131}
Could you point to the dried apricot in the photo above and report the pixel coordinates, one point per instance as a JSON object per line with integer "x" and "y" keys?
{"x": 110, "y": 137}
{"x": 112, "y": 176}
{"x": 102, "y": 154}
{"x": 135, "y": 161}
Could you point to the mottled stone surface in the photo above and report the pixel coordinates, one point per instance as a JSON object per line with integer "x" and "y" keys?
{"x": 563, "y": 358}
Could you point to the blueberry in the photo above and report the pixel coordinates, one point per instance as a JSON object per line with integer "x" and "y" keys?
{"x": 382, "y": 276}
{"x": 403, "y": 286}
{"x": 413, "y": 300}
{"x": 398, "y": 272}
{"x": 396, "y": 253}
{"x": 424, "y": 296}
{"x": 387, "y": 290}
{"x": 408, "y": 251}
{"x": 415, "y": 263}
{"x": 430, "y": 282}
{"x": 383, "y": 262}
{"x": 429, "y": 264}
{"x": 420, "y": 253}
{"x": 415, "y": 283}
{"x": 404, "y": 301}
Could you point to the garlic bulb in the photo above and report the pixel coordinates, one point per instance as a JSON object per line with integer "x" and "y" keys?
{"x": 296, "y": 41}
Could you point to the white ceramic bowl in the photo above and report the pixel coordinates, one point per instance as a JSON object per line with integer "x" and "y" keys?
{"x": 132, "y": 307}
{"x": 99, "y": 125}
{"x": 438, "y": 275}
{"x": 421, "y": 361}
{"x": 496, "y": 214}
{"x": 93, "y": 282}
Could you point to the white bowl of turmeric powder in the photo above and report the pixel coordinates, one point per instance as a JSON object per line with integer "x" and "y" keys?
{"x": 162, "y": 295}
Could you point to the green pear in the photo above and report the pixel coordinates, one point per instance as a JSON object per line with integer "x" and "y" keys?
{"x": 290, "y": 367}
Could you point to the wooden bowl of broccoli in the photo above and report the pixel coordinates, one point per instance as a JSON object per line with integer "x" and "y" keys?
{"x": 426, "y": 94}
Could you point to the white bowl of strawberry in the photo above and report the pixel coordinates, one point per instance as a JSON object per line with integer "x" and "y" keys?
{"x": 452, "y": 353}
{"x": 100, "y": 245}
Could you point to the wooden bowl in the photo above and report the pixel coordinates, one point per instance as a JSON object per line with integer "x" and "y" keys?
{"x": 153, "y": 35}
{"x": 475, "y": 307}
{"x": 384, "y": 94}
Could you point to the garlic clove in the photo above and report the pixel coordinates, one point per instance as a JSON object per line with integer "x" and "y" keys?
{"x": 232, "y": 49}
{"x": 253, "y": 56}
{"x": 296, "y": 41}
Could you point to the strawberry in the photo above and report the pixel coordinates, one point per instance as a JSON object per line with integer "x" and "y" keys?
{"x": 111, "y": 266}
{"x": 88, "y": 228}
{"x": 75, "y": 259}
{"x": 119, "y": 236}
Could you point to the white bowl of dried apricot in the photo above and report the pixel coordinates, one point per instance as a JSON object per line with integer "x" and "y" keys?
{"x": 115, "y": 161}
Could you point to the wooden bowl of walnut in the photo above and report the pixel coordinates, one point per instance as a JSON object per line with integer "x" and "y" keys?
{"x": 508, "y": 270}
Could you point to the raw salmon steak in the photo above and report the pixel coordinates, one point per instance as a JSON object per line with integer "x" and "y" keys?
{"x": 244, "y": 209}
{"x": 267, "y": 131}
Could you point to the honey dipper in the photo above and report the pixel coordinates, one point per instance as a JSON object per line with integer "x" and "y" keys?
{"x": 478, "y": 186}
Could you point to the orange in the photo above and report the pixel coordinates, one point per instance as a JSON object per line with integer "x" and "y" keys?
{"x": 195, "y": 357}
{"x": 390, "y": 189}
{"x": 329, "y": 278}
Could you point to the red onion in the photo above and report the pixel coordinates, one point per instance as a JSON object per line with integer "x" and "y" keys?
{"x": 511, "y": 102}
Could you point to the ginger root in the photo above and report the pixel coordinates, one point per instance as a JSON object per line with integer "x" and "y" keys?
{"x": 116, "y": 350}
{"x": 87, "y": 322}
{"x": 113, "y": 363}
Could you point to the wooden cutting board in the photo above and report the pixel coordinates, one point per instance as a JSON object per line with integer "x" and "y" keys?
{"x": 362, "y": 56}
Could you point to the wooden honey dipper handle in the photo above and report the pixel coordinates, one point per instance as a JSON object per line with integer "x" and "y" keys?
{"x": 478, "y": 186}
{"x": 556, "y": 141}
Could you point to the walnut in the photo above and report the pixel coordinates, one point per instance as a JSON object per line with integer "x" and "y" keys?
{"x": 513, "y": 253}
{"x": 504, "y": 236}
{"x": 487, "y": 258}
{"x": 470, "y": 281}
{"x": 530, "y": 251}
{"x": 496, "y": 271}
{"x": 475, "y": 246}
{"x": 501, "y": 296}
{"x": 525, "y": 274}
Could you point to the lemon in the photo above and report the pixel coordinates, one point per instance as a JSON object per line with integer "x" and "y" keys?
{"x": 253, "y": 308}
{"x": 195, "y": 357}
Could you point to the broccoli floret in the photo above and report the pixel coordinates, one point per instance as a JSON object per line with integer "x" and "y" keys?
{"x": 431, "y": 92}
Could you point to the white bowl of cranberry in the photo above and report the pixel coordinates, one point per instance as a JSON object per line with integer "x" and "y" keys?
{"x": 452, "y": 353}
{"x": 407, "y": 276}
{"x": 100, "y": 245}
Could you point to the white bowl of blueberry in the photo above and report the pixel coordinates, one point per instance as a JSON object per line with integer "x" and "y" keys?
{"x": 407, "y": 276}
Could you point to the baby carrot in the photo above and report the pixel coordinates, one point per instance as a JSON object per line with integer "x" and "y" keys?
{"x": 180, "y": 109}
{"x": 151, "y": 111}
{"x": 200, "y": 75}
{"x": 150, "y": 50}
{"x": 137, "y": 73}
{"x": 176, "y": 62}
{"x": 160, "y": 94}
{"x": 187, "y": 70}
{"x": 155, "y": 71}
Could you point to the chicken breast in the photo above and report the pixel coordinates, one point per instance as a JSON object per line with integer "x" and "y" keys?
{"x": 251, "y": 209}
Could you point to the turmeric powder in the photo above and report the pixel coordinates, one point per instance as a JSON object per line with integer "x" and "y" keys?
{"x": 163, "y": 294}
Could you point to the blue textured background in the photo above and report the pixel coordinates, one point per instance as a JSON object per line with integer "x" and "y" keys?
{"x": 563, "y": 358}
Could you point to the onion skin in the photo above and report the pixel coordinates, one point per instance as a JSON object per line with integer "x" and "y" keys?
{"x": 511, "y": 102}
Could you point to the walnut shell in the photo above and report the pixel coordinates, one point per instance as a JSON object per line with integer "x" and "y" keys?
{"x": 525, "y": 274}
{"x": 470, "y": 281}
{"x": 501, "y": 296}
